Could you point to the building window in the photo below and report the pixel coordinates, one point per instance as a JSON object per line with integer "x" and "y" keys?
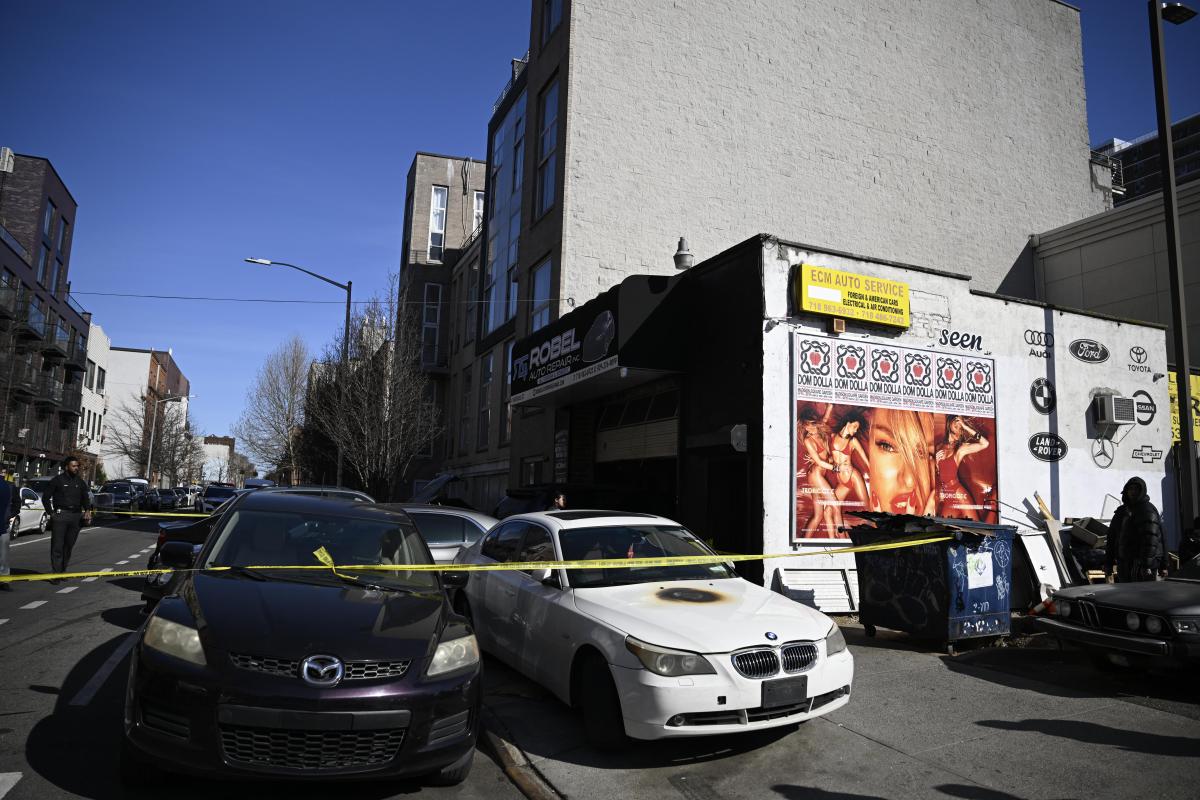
{"x": 464, "y": 419}
{"x": 497, "y": 163}
{"x": 478, "y": 210}
{"x": 62, "y": 236}
{"x": 518, "y": 159}
{"x": 43, "y": 267}
{"x": 437, "y": 223}
{"x": 531, "y": 470}
{"x": 48, "y": 218}
{"x": 100, "y": 375}
{"x": 471, "y": 287}
{"x": 539, "y": 315}
{"x": 506, "y": 427}
{"x": 514, "y": 249}
{"x": 547, "y": 149}
{"x": 431, "y": 323}
{"x": 55, "y": 276}
{"x": 89, "y": 376}
{"x": 485, "y": 401}
{"x": 491, "y": 299}
{"x": 551, "y": 17}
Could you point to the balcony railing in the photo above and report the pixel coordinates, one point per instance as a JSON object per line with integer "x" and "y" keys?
{"x": 57, "y": 342}
{"x": 30, "y": 320}
{"x": 72, "y": 399}
{"x": 8, "y": 302}
{"x": 77, "y": 354}
{"x": 518, "y": 66}
{"x": 49, "y": 391}
{"x": 74, "y": 304}
{"x": 20, "y": 375}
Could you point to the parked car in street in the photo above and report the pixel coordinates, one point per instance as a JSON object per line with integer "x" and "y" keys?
{"x": 1145, "y": 623}
{"x": 33, "y": 516}
{"x": 124, "y": 498}
{"x": 268, "y": 673}
{"x": 330, "y": 492}
{"x": 161, "y": 500}
{"x": 656, "y": 651}
{"x": 212, "y": 497}
{"x": 446, "y": 529}
{"x": 183, "y": 497}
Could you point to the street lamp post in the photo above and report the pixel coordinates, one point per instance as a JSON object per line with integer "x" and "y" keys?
{"x": 346, "y": 287}
{"x": 175, "y": 398}
{"x": 1177, "y": 14}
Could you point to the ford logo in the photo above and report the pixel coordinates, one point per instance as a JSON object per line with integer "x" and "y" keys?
{"x": 1047, "y": 447}
{"x": 1088, "y": 350}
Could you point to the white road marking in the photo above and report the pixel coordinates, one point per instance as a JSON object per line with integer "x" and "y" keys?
{"x": 33, "y": 605}
{"x": 89, "y": 580}
{"x": 67, "y": 590}
{"x": 107, "y": 569}
{"x": 30, "y": 541}
{"x": 7, "y": 781}
{"x": 2, "y": 621}
{"x": 135, "y": 555}
{"x": 106, "y": 669}
{"x": 122, "y": 562}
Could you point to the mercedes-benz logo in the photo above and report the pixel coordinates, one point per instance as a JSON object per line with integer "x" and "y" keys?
{"x": 1103, "y": 452}
{"x": 1138, "y": 355}
{"x": 322, "y": 671}
{"x": 771, "y": 636}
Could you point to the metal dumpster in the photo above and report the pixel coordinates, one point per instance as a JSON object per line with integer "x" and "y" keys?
{"x": 944, "y": 591}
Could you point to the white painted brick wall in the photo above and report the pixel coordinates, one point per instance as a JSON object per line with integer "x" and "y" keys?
{"x": 935, "y": 132}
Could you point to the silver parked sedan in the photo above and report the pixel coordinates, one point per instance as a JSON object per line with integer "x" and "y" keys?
{"x": 446, "y": 529}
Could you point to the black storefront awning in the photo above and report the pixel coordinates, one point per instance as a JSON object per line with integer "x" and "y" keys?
{"x": 621, "y": 338}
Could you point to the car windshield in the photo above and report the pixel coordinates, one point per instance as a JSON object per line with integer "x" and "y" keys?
{"x": 39, "y": 486}
{"x": 115, "y": 488}
{"x": 276, "y": 538}
{"x": 219, "y": 493}
{"x": 632, "y": 542}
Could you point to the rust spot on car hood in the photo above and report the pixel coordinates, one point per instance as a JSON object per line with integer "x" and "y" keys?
{"x": 684, "y": 594}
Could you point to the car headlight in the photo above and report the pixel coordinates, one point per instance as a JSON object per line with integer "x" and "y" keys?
{"x": 454, "y": 655}
{"x": 176, "y": 640}
{"x": 1063, "y": 607}
{"x": 666, "y": 662}
{"x": 1186, "y": 625}
{"x": 834, "y": 641}
{"x": 1132, "y": 621}
{"x": 1154, "y": 625}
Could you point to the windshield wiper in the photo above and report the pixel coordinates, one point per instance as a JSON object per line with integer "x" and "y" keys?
{"x": 382, "y": 587}
{"x": 246, "y": 571}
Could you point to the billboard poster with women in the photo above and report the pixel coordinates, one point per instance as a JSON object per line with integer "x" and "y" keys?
{"x": 880, "y": 427}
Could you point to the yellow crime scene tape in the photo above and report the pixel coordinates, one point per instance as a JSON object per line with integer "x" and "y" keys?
{"x": 327, "y": 563}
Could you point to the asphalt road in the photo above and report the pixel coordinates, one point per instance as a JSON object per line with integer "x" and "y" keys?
{"x": 63, "y": 661}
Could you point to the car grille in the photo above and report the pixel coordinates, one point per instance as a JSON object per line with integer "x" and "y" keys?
{"x": 290, "y": 668}
{"x": 756, "y": 663}
{"x": 309, "y": 751}
{"x": 799, "y": 657}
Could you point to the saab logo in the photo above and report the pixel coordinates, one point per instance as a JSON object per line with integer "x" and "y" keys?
{"x": 1147, "y": 454}
{"x": 883, "y": 366}
{"x": 1146, "y": 408}
{"x": 1088, "y": 350}
{"x": 917, "y": 369}
{"x": 814, "y": 358}
{"x": 979, "y": 377}
{"x": 852, "y": 361}
{"x": 1043, "y": 396}
{"x": 1041, "y": 343}
{"x": 1047, "y": 447}
{"x": 949, "y": 374}
{"x": 1138, "y": 356}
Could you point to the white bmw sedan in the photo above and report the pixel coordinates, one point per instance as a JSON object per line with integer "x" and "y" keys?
{"x": 656, "y": 651}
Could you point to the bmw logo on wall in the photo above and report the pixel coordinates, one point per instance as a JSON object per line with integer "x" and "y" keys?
{"x": 1042, "y": 396}
{"x": 772, "y": 636}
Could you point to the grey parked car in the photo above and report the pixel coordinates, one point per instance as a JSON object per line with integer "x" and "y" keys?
{"x": 446, "y": 529}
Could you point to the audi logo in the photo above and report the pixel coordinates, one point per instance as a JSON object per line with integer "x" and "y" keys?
{"x": 1039, "y": 338}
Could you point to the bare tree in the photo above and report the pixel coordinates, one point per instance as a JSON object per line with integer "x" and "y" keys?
{"x": 275, "y": 405}
{"x": 378, "y": 407}
{"x": 177, "y": 453}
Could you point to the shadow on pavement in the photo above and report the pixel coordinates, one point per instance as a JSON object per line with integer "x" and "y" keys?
{"x": 969, "y": 792}
{"x": 128, "y": 617}
{"x": 790, "y": 792}
{"x": 1094, "y": 733}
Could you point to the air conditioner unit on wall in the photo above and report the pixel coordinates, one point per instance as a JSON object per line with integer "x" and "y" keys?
{"x": 1113, "y": 409}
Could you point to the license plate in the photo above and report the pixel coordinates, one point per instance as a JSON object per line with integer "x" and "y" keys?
{"x": 785, "y": 691}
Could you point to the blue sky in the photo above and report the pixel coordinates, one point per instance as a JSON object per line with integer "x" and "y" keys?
{"x": 196, "y": 134}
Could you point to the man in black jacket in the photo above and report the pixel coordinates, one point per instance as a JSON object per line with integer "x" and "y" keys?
{"x": 1135, "y": 536}
{"x": 69, "y": 502}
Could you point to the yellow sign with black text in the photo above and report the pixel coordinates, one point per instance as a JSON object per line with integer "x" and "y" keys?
{"x": 1173, "y": 393}
{"x": 844, "y": 294}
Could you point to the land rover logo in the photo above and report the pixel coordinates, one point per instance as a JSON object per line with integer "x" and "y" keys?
{"x": 1089, "y": 351}
{"x": 1145, "y": 408}
{"x": 1047, "y": 447}
{"x": 322, "y": 671}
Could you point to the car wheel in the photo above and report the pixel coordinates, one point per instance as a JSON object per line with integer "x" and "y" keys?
{"x": 454, "y": 774}
{"x": 43, "y": 523}
{"x": 601, "y": 706}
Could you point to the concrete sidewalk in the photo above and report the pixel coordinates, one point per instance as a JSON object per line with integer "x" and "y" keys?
{"x": 986, "y": 724}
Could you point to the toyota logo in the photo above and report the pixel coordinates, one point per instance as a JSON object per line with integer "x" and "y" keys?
{"x": 322, "y": 671}
{"x": 1039, "y": 338}
{"x": 1138, "y": 355}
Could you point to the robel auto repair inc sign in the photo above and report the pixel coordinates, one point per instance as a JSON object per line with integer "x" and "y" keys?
{"x": 571, "y": 349}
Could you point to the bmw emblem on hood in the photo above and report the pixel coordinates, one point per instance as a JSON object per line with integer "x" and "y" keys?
{"x": 771, "y": 636}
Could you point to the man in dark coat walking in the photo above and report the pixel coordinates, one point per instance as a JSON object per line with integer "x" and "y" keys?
{"x": 1135, "y": 537}
{"x": 9, "y": 508}
{"x": 69, "y": 503}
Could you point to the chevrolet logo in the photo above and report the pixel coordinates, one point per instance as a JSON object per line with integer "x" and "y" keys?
{"x": 1147, "y": 454}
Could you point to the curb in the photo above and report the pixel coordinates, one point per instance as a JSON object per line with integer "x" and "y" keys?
{"x": 513, "y": 760}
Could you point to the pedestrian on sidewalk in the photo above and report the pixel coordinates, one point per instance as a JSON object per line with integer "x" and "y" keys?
{"x": 10, "y": 506}
{"x": 1135, "y": 539}
{"x": 69, "y": 503}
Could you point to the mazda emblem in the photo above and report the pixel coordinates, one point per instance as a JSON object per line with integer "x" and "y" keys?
{"x": 322, "y": 671}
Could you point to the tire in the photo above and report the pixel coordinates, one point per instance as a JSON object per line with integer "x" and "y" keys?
{"x": 601, "y": 706}
{"x": 455, "y": 773}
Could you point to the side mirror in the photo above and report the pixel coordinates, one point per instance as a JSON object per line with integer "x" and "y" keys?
{"x": 176, "y": 555}
{"x": 29, "y": 504}
{"x": 546, "y": 577}
{"x": 455, "y": 579}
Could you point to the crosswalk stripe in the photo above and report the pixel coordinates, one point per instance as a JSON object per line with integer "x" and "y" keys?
{"x": 67, "y": 590}
{"x": 89, "y": 580}
{"x": 7, "y": 781}
{"x": 122, "y": 562}
{"x": 33, "y": 605}
{"x": 2, "y": 621}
